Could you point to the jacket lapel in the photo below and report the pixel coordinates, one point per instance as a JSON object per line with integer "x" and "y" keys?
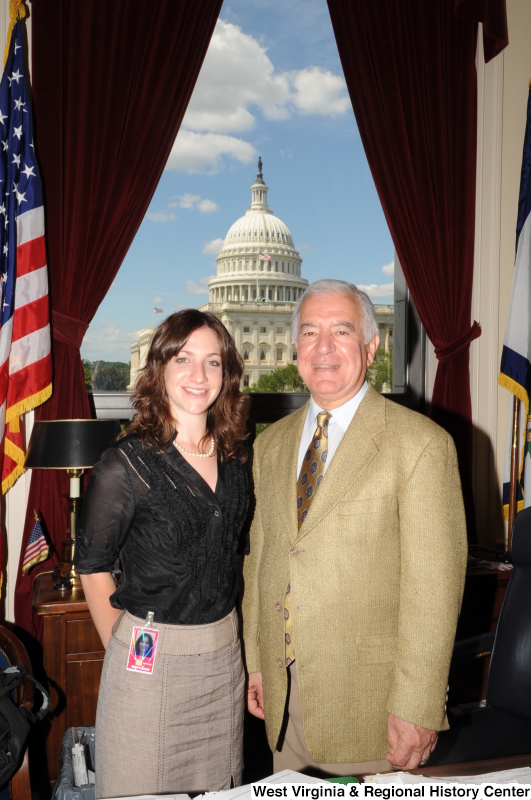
{"x": 354, "y": 454}
{"x": 284, "y": 455}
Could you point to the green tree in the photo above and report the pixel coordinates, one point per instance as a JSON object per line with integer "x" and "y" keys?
{"x": 110, "y": 376}
{"x": 87, "y": 369}
{"x": 284, "y": 379}
{"x": 380, "y": 373}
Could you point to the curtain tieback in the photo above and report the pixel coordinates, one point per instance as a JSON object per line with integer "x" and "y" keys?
{"x": 450, "y": 351}
{"x": 68, "y": 329}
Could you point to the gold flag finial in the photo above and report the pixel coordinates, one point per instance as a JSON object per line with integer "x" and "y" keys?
{"x": 17, "y": 10}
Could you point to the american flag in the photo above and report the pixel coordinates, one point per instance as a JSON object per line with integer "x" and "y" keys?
{"x": 37, "y": 549}
{"x": 158, "y": 310}
{"x": 264, "y": 256}
{"x": 25, "y": 359}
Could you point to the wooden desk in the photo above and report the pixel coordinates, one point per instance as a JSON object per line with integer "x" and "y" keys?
{"x": 73, "y": 658}
{"x": 475, "y": 767}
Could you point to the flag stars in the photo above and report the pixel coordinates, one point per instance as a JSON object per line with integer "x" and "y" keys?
{"x": 6, "y": 248}
{"x": 28, "y": 171}
{"x": 21, "y": 197}
{"x": 16, "y": 76}
{"x": 2, "y": 117}
{"x": 17, "y": 47}
{"x": 19, "y": 104}
{"x": 3, "y": 209}
{"x": 16, "y": 159}
{"x": 18, "y": 132}
{"x": 6, "y": 144}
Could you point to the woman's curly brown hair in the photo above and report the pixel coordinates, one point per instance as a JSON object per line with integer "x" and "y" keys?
{"x": 227, "y": 416}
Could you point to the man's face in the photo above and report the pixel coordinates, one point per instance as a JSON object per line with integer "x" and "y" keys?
{"x": 332, "y": 357}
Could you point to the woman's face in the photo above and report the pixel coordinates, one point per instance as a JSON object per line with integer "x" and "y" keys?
{"x": 194, "y": 376}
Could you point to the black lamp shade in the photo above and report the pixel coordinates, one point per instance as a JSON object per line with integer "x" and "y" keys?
{"x": 69, "y": 443}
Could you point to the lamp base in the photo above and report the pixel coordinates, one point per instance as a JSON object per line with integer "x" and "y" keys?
{"x": 66, "y": 573}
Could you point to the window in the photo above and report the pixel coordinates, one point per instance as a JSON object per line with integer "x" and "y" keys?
{"x": 263, "y": 330}
{"x": 246, "y": 355}
{"x": 270, "y": 294}
{"x": 246, "y": 329}
{"x": 280, "y": 330}
{"x": 262, "y": 355}
{"x": 294, "y": 355}
{"x": 280, "y": 354}
{"x": 246, "y": 380}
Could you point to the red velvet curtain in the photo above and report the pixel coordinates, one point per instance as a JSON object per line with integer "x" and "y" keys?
{"x": 410, "y": 70}
{"x": 111, "y": 83}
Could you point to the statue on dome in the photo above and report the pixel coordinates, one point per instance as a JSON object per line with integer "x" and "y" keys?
{"x": 259, "y": 163}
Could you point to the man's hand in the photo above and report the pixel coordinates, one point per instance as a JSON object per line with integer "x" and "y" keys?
{"x": 255, "y": 695}
{"x": 408, "y": 744}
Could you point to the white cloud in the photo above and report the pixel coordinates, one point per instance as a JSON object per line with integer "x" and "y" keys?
{"x": 156, "y": 299}
{"x": 238, "y": 79}
{"x": 318, "y": 91}
{"x": 109, "y": 342}
{"x": 213, "y": 247}
{"x": 188, "y": 200}
{"x": 207, "y": 206}
{"x": 376, "y": 291}
{"x": 389, "y": 269}
{"x": 198, "y": 287}
{"x": 200, "y": 152}
{"x": 160, "y": 216}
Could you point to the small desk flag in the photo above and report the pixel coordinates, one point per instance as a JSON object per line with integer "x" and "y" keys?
{"x": 515, "y": 369}
{"x": 37, "y": 549}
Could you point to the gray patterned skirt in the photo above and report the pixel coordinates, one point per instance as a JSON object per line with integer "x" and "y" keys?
{"x": 179, "y": 729}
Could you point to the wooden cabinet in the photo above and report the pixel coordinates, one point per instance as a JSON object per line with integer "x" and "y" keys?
{"x": 73, "y": 657}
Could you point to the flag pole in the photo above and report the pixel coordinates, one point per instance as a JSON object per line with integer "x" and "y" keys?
{"x": 513, "y": 486}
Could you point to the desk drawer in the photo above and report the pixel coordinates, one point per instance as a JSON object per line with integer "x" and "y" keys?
{"x": 82, "y": 637}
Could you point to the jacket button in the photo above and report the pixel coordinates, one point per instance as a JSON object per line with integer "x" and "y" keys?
{"x": 295, "y": 551}
{"x": 278, "y": 607}
{"x": 216, "y": 513}
{"x": 279, "y": 662}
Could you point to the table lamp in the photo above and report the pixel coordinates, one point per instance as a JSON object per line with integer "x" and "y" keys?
{"x": 74, "y": 445}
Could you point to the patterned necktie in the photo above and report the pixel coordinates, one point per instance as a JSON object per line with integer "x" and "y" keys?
{"x": 312, "y": 472}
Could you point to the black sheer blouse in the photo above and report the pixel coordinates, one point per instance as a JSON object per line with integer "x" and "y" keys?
{"x": 175, "y": 537}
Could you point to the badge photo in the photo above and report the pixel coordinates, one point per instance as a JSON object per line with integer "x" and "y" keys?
{"x": 142, "y": 650}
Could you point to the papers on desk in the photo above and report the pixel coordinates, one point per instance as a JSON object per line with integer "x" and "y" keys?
{"x": 522, "y": 775}
{"x": 244, "y": 792}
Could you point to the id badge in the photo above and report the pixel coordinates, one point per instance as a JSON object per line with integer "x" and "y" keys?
{"x": 143, "y": 649}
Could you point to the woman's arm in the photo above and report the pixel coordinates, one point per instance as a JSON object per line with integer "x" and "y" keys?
{"x": 98, "y": 587}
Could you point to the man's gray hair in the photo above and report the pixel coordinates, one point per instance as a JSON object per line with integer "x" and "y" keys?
{"x": 330, "y": 285}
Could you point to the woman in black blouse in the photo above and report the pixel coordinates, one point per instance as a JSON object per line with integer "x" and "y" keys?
{"x": 170, "y": 499}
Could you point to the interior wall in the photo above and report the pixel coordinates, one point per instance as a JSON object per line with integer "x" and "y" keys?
{"x": 517, "y": 73}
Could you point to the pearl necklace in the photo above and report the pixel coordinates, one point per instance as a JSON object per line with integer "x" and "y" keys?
{"x": 197, "y": 455}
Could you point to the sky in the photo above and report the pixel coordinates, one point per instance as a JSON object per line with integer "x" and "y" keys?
{"x": 272, "y": 86}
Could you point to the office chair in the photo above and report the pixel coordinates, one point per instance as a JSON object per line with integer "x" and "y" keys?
{"x": 503, "y": 727}
{"x": 13, "y": 653}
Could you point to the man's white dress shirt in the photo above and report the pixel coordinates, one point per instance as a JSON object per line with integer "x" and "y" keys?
{"x": 337, "y": 425}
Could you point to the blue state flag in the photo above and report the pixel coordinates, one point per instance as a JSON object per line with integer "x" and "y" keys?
{"x": 515, "y": 369}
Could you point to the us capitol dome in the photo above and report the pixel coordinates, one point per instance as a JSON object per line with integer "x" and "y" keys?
{"x": 254, "y": 293}
{"x": 257, "y": 284}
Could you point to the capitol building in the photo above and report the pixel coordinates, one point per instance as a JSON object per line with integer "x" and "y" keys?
{"x": 254, "y": 293}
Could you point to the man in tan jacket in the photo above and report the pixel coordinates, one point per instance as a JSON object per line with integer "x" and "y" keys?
{"x": 353, "y": 585}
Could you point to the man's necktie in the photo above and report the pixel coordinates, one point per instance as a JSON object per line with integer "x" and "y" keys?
{"x": 310, "y": 478}
{"x": 312, "y": 470}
